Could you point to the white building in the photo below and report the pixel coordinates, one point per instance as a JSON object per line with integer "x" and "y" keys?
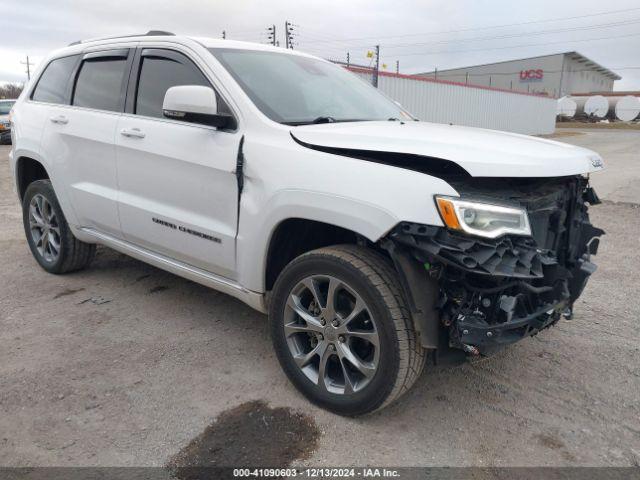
{"x": 554, "y": 75}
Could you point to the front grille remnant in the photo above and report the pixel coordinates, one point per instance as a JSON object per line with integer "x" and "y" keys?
{"x": 508, "y": 256}
{"x": 497, "y": 291}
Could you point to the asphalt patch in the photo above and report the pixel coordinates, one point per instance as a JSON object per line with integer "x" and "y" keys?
{"x": 250, "y": 435}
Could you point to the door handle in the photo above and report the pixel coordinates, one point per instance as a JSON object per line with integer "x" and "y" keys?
{"x": 132, "y": 133}
{"x": 60, "y": 120}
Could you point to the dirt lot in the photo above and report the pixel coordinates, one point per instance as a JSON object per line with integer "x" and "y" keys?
{"x": 124, "y": 364}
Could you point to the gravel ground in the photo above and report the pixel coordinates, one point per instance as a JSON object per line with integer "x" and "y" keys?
{"x": 123, "y": 364}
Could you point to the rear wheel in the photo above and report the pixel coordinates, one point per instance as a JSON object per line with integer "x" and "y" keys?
{"x": 342, "y": 332}
{"x": 50, "y": 239}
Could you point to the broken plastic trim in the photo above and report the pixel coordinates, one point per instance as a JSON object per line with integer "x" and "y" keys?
{"x": 436, "y": 167}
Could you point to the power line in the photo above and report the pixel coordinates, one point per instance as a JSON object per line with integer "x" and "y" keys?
{"x": 558, "y": 19}
{"x": 515, "y": 46}
{"x": 515, "y": 35}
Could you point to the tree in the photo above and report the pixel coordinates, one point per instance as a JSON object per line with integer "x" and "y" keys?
{"x": 11, "y": 90}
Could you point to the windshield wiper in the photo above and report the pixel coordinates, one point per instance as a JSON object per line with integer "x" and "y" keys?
{"x": 324, "y": 119}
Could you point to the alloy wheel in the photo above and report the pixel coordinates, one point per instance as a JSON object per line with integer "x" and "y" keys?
{"x": 44, "y": 228}
{"x": 331, "y": 334}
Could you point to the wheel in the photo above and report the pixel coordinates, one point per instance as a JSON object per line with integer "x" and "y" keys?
{"x": 49, "y": 236}
{"x": 341, "y": 330}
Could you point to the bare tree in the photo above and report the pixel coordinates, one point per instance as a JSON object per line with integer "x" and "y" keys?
{"x": 11, "y": 90}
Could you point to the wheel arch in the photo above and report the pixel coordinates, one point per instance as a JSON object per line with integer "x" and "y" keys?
{"x": 333, "y": 219}
{"x": 293, "y": 237}
{"x": 27, "y": 170}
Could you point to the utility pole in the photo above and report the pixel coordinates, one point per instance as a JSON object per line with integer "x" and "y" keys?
{"x": 377, "y": 70}
{"x": 28, "y": 64}
{"x": 224, "y": 34}
{"x": 288, "y": 34}
{"x": 436, "y": 76}
{"x": 272, "y": 35}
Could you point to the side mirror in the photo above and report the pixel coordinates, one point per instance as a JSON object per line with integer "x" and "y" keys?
{"x": 195, "y": 104}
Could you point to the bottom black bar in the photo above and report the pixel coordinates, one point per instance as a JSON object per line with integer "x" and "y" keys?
{"x": 403, "y": 473}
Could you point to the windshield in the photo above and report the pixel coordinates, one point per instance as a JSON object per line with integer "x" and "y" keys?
{"x": 5, "y": 107}
{"x": 298, "y": 90}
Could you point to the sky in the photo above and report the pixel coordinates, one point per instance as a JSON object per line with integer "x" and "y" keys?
{"x": 421, "y": 35}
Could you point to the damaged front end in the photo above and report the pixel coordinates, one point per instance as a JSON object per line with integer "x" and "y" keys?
{"x": 496, "y": 291}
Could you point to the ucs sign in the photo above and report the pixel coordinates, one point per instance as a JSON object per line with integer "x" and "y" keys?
{"x": 531, "y": 75}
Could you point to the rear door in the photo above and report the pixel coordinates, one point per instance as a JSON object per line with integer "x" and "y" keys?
{"x": 177, "y": 188}
{"x": 79, "y": 137}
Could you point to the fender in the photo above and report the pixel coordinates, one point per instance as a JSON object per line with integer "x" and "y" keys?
{"x": 370, "y": 221}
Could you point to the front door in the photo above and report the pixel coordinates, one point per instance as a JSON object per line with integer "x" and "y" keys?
{"x": 177, "y": 188}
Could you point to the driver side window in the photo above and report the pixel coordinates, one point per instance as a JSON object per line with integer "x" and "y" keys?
{"x": 158, "y": 73}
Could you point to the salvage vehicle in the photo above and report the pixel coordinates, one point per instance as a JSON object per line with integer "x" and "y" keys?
{"x": 373, "y": 241}
{"x": 5, "y": 121}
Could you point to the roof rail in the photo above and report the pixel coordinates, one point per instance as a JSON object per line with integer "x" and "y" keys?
{"x": 150, "y": 33}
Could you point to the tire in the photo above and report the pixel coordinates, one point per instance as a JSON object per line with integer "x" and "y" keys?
{"x": 60, "y": 252}
{"x": 381, "y": 340}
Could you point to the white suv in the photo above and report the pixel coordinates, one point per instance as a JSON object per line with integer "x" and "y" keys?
{"x": 374, "y": 241}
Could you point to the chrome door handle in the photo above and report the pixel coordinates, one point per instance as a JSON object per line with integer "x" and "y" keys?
{"x": 132, "y": 133}
{"x": 60, "y": 120}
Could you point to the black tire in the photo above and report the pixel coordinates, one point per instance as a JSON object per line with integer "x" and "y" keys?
{"x": 73, "y": 254}
{"x": 371, "y": 275}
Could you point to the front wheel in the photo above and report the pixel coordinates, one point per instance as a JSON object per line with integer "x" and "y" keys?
{"x": 342, "y": 332}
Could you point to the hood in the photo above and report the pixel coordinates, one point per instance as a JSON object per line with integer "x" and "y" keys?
{"x": 481, "y": 153}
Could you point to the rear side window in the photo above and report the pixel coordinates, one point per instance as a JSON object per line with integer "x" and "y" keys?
{"x": 53, "y": 86}
{"x": 157, "y": 75}
{"x": 100, "y": 84}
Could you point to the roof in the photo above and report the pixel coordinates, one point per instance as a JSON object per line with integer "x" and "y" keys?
{"x": 573, "y": 55}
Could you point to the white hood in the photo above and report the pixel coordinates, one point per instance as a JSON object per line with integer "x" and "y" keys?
{"x": 482, "y": 153}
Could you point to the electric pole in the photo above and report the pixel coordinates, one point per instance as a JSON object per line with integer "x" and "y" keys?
{"x": 377, "y": 69}
{"x": 272, "y": 35}
{"x": 288, "y": 34}
{"x": 28, "y": 64}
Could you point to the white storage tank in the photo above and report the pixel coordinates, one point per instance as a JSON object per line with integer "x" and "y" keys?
{"x": 596, "y": 106}
{"x": 567, "y": 107}
{"x": 625, "y": 108}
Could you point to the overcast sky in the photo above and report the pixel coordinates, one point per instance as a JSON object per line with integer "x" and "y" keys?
{"x": 422, "y": 35}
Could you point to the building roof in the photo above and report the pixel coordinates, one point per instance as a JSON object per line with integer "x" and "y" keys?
{"x": 573, "y": 55}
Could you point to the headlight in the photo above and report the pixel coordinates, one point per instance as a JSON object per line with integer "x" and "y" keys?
{"x": 483, "y": 219}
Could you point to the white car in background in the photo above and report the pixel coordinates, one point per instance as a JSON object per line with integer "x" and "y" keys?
{"x": 374, "y": 241}
{"x": 5, "y": 123}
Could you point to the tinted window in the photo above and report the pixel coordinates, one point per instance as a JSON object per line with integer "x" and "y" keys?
{"x": 53, "y": 83}
{"x": 100, "y": 84}
{"x": 157, "y": 75}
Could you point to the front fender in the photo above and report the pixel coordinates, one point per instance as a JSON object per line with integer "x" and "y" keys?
{"x": 370, "y": 221}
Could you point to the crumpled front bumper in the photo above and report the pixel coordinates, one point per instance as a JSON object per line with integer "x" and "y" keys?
{"x": 494, "y": 292}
